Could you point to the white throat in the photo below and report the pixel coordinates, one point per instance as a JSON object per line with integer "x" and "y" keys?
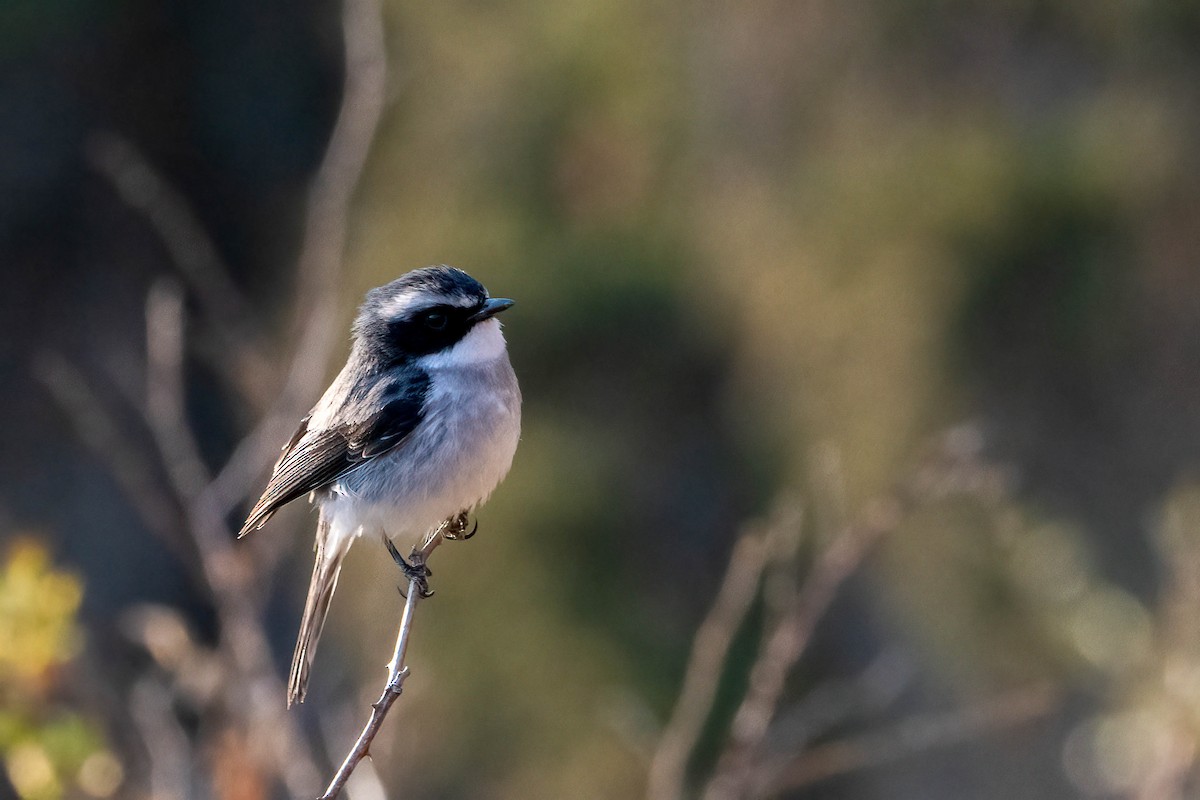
{"x": 482, "y": 344}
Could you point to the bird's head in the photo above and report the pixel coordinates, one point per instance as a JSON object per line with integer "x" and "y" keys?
{"x": 434, "y": 315}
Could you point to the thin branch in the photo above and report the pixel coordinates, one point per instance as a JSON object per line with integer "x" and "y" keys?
{"x": 170, "y": 755}
{"x": 195, "y": 254}
{"x": 838, "y": 702}
{"x": 953, "y": 466}
{"x": 710, "y": 650}
{"x": 917, "y": 734}
{"x": 217, "y": 571}
{"x": 166, "y": 417}
{"x": 320, "y": 267}
{"x": 237, "y": 348}
{"x": 341, "y": 723}
{"x": 397, "y": 672}
{"x": 99, "y": 431}
{"x": 823, "y": 709}
{"x": 322, "y": 254}
{"x": 321, "y": 260}
{"x": 165, "y": 410}
{"x": 251, "y": 694}
{"x": 788, "y": 640}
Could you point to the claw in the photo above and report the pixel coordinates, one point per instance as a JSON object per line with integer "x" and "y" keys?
{"x": 414, "y": 572}
{"x": 456, "y": 528}
{"x": 422, "y": 589}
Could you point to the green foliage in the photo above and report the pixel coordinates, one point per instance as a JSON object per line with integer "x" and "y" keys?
{"x": 48, "y": 749}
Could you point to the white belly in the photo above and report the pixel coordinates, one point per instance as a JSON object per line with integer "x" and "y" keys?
{"x": 458, "y": 454}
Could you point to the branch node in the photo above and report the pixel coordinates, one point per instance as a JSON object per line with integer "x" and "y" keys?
{"x": 397, "y": 672}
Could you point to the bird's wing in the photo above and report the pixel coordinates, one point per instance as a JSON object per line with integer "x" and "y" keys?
{"x": 316, "y": 458}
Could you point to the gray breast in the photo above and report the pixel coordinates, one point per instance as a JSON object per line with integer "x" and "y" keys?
{"x": 452, "y": 461}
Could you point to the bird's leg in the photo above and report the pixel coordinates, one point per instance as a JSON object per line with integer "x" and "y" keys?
{"x": 455, "y": 528}
{"x": 414, "y": 571}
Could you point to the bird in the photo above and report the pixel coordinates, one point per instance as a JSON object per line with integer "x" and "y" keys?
{"x": 415, "y": 432}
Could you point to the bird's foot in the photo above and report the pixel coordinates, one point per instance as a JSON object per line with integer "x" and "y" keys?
{"x": 416, "y": 571}
{"x": 455, "y": 528}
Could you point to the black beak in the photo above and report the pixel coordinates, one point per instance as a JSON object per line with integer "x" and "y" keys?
{"x": 490, "y": 309}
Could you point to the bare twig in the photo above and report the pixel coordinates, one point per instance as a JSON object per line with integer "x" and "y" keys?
{"x": 192, "y": 250}
{"x": 788, "y": 640}
{"x": 341, "y": 723}
{"x": 211, "y": 562}
{"x": 838, "y": 702}
{"x": 916, "y": 734}
{"x": 320, "y": 266}
{"x": 96, "y": 428}
{"x": 236, "y": 350}
{"x": 167, "y": 749}
{"x": 321, "y": 259}
{"x": 397, "y": 672}
{"x": 710, "y": 649}
{"x": 166, "y": 415}
{"x": 190, "y": 499}
{"x": 241, "y": 356}
{"x": 952, "y": 467}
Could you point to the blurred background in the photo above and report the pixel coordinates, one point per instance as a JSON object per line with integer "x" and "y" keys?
{"x": 903, "y": 297}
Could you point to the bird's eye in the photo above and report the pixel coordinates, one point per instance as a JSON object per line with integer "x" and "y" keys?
{"x": 436, "y": 320}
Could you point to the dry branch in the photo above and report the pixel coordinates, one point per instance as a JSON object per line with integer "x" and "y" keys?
{"x": 952, "y": 466}
{"x": 917, "y": 734}
{"x": 710, "y": 649}
{"x": 243, "y": 641}
{"x": 236, "y": 347}
{"x": 95, "y": 426}
{"x": 397, "y": 672}
{"x": 787, "y": 641}
{"x": 795, "y": 608}
{"x": 837, "y": 702}
{"x": 189, "y": 507}
{"x": 321, "y": 261}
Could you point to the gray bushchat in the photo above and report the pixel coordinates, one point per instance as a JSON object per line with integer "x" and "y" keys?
{"x": 415, "y": 431}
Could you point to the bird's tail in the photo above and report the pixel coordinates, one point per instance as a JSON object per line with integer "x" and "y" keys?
{"x": 330, "y": 553}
